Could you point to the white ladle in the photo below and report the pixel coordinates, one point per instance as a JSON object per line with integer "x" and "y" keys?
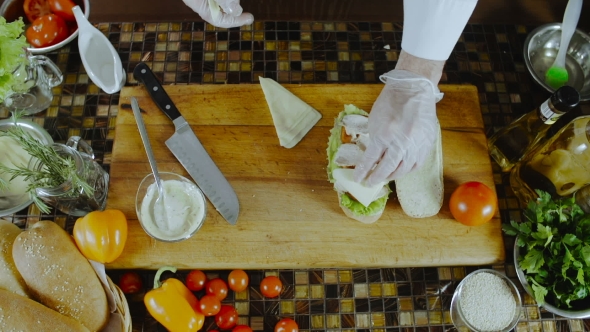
{"x": 99, "y": 57}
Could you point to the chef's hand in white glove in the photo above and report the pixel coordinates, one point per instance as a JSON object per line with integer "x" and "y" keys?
{"x": 402, "y": 127}
{"x": 230, "y": 14}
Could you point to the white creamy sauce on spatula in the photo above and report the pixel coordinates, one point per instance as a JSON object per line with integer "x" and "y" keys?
{"x": 179, "y": 214}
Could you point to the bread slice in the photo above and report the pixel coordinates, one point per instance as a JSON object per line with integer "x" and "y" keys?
{"x": 421, "y": 191}
{"x": 10, "y": 278}
{"x": 59, "y": 276}
{"x": 18, "y": 313}
{"x": 351, "y": 206}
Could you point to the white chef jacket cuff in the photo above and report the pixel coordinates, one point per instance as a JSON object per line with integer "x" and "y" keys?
{"x": 432, "y": 27}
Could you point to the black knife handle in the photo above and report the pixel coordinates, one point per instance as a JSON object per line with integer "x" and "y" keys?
{"x": 144, "y": 74}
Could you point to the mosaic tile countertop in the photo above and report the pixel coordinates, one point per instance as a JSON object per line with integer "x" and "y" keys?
{"x": 411, "y": 299}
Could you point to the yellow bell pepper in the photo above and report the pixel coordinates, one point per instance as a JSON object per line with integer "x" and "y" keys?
{"x": 173, "y": 305}
{"x": 101, "y": 235}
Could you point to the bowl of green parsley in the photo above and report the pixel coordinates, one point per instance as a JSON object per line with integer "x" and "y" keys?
{"x": 552, "y": 255}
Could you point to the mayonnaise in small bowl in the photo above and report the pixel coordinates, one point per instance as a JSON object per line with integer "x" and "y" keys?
{"x": 178, "y": 216}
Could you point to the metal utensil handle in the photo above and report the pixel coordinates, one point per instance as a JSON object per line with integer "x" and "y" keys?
{"x": 146, "y": 141}
{"x": 144, "y": 74}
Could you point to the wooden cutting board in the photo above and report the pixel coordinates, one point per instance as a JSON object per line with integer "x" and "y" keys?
{"x": 289, "y": 213}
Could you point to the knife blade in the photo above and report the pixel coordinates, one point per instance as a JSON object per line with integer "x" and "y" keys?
{"x": 187, "y": 148}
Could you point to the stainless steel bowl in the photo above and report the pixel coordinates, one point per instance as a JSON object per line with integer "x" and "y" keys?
{"x": 13, "y": 9}
{"x": 457, "y": 315}
{"x": 574, "y": 314}
{"x": 38, "y": 133}
{"x": 541, "y": 47}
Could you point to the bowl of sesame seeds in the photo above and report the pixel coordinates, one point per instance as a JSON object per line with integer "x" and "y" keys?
{"x": 486, "y": 300}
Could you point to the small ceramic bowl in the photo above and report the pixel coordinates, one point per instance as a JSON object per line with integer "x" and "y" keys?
{"x": 181, "y": 195}
{"x": 38, "y": 133}
{"x": 541, "y": 47}
{"x": 458, "y": 315}
{"x": 13, "y": 9}
{"x": 580, "y": 313}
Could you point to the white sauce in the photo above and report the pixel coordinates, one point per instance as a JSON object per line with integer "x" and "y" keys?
{"x": 12, "y": 155}
{"x": 179, "y": 214}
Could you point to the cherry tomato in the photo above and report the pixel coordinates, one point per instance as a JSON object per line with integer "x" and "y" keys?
{"x": 242, "y": 328}
{"x": 47, "y": 30}
{"x": 473, "y": 203}
{"x": 130, "y": 282}
{"x": 237, "y": 280}
{"x": 287, "y": 325}
{"x": 209, "y": 305}
{"x": 227, "y": 317}
{"x": 217, "y": 287}
{"x": 36, "y": 8}
{"x": 195, "y": 280}
{"x": 63, "y": 9}
{"x": 271, "y": 286}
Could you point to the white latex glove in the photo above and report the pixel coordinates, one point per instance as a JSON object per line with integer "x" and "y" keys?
{"x": 402, "y": 127}
{"x": 221, "y": 13}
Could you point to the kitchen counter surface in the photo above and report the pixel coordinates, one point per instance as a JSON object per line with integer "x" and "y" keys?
{"x": 373, "y": 299}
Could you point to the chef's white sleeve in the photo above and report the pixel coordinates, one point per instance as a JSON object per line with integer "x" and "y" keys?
{"x": 432, "y": 27}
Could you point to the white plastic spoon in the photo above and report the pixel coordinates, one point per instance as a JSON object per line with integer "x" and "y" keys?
{"x": 99, "y": 57}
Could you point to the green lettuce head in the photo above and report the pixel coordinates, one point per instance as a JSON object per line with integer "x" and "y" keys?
{"x": 334, "y": 143}
{"x": 12, "y": 53}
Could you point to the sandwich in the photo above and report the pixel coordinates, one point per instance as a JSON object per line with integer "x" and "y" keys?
{"x": 347, "y": 142}
{"x": 420, "y": 192}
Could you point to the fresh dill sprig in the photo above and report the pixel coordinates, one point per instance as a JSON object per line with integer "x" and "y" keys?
{"x": 52, "y": 169}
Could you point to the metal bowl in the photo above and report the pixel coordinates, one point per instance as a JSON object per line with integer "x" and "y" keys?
{"x": 457, "y": 315}
{"x": 541, "y": 47}
{"x": 13, "y": 9}
{"x": 38, "y": 133}
{"x": 574, "y": 314}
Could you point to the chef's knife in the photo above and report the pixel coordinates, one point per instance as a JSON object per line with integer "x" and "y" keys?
{"x": 187, "y": 148}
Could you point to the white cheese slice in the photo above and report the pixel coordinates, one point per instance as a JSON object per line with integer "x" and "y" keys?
{"x": 365, "y": 195}
{"x": 292, "y": 117}
{"x": 215, "y": 10}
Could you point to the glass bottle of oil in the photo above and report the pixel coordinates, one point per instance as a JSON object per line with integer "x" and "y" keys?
{"x": 559, "y": 165}
{"x": 510, "y": 144}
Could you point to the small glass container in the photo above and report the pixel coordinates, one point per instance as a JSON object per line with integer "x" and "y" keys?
{"x": 458, "y": 315}
{"x": 185, "y": 190}
{"x": 67, "y": 198}
{"x": 36, "y": 77}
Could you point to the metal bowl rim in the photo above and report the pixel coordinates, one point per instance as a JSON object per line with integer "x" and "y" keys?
{"x": 61, "y": 44}
{"x": 527, "y": 60}
{"x": 43, "y": 134}
{"x": 510, "y": 283}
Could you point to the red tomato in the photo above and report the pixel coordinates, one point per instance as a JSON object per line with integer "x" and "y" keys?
{"x": 36, "y": 8}
{"x": 287, "y": 325}
{"x": 271, "y": 286}
{"x": 217, "y": 287}
{"x": 227, "y": 317}
{"x": 473, "y": 203}
{"x": 242, "y": 328}
{"x": 47, "y": 30}
{"x": 195, "y": 280}
{"x": 209, "y": 305}
{"x": 130, "y": 282}
{"x": 237, "y": 280}
{"x": 63, "y": 9}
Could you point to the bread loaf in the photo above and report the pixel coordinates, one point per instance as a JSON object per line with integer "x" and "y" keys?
{"x": 18, "y": 313}
{"x": 10, "y": 278}
{"x": 59, "y": 276}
